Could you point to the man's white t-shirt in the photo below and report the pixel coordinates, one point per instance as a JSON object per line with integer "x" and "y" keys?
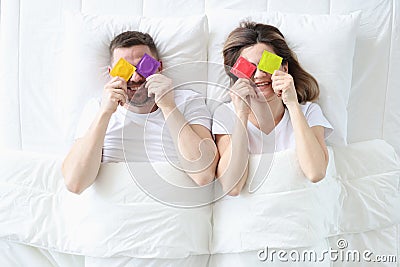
{"x": 281, "y": 138}
{"x": 144, "y": 137}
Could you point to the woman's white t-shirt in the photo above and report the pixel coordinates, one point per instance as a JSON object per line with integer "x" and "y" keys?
{"x": 144, "y": 137}
{"x": 281, "y": 138}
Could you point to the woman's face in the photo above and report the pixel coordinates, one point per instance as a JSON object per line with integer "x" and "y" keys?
{"x": 261, "y": 79}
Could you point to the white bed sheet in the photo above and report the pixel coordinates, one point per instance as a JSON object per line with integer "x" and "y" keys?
{"x": 373, "y": 107}
{"x": 111, "y": 218}
{"x": 116, "y": 219}
{"x": 16, "y": 254}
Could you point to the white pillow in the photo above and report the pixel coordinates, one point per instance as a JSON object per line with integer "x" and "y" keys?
{"x": 85, "y": 56}
{"x": 324, "y": 45}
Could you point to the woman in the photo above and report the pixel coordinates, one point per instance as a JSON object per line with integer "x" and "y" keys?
{"x": 266, "y": 105}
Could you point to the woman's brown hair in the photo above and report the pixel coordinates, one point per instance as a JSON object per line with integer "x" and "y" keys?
{"x": 250, "y": 33}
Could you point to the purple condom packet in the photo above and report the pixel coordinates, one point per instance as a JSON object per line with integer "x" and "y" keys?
{"x": 147, "y": 66}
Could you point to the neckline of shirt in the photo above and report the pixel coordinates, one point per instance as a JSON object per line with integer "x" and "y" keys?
{"x": 276, "y": 129}
{"x": 132, "y": 115}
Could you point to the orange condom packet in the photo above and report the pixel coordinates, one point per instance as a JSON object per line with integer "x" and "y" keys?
{"x": 123, "y": 69}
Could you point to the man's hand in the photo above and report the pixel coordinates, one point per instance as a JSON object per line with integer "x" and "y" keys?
{"x": 114, "y": 93}
{"x": 161, "y": 87}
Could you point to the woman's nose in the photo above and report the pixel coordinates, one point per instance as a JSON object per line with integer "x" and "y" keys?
{"x": 260, "y": 74}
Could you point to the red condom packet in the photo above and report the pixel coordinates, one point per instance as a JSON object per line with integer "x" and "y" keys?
{"x": 243, "y": 68}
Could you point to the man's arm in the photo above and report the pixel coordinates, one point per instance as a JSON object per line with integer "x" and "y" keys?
{"x": 82, "y": 163}
{"x": 195, "y": 147}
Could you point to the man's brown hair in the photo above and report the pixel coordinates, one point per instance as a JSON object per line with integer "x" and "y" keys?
{"x": 131, "y": 38}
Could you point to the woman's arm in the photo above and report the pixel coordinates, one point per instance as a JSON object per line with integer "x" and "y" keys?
{"x": 232, "y": 170}
{"x": 310, "y": 144}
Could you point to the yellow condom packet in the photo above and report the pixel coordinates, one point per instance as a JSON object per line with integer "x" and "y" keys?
{"x": 123, "y": 69}
{"x": 269, "y": 62}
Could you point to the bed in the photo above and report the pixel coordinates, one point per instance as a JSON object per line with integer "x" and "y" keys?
{"x": 352, "y": 48}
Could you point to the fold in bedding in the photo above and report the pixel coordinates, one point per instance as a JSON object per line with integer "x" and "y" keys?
{"x": 114, "y": 218}
{"x": 111, "y": 218}
{"x": 359, "y": 193}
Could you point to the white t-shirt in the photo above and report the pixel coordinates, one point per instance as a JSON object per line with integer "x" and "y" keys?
{"x": 281, "y": 138}
{"x": 144, "y": 137}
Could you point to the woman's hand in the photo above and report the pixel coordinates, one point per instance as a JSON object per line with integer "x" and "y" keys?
{"x": 283, "y": 86}
{"x": 240, "y": 93}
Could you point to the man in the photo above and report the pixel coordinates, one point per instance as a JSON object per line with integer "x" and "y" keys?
{"x": 143, "y": 119}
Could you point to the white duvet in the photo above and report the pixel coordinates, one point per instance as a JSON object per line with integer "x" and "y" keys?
{"x": 111, "y": 218}
{"x": 114, "y": 218}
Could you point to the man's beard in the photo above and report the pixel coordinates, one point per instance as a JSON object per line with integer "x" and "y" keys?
{"x": 140, "y": 97}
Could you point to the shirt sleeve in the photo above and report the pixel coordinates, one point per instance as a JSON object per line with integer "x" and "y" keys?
{"x": 87, "y": 117}
{"x": 195, "y": 110}
{"x": 315, "y": 117}
{"x": 223, "y": 119}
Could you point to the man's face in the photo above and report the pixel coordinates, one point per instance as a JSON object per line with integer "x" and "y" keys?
{"x": 137, "y": 93}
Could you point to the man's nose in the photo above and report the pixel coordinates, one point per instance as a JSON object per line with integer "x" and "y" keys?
{"x": 136, "y": 78}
